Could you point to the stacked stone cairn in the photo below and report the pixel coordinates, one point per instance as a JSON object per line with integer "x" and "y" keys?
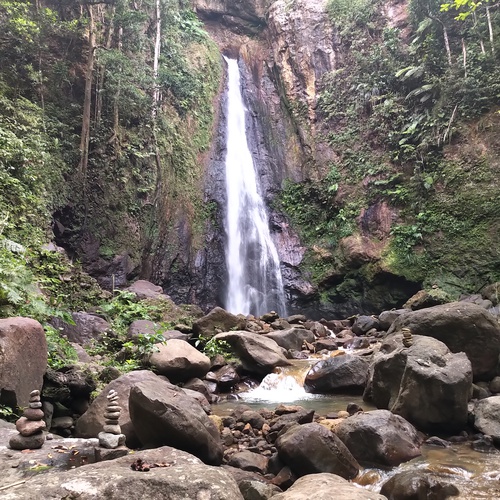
{"x": 111, "y": 435}
{"x": 407, "y": 337}
{"x": 30, "y": 426}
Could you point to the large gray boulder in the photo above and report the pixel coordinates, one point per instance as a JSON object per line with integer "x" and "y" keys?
{"x": 463, "y": 327}
{"x": 292, "y": 338}
{"x": 311, "y": 448}
{"x": 172, "y": 475}
{"x": 487, "y": 417}
{"x": 216, "y": 321}
{"x": 425, "y": 383}
{"x": 23, "y": 360}
{"x": 345, "y": 373}
{"x": 257, "y": 353}
{"x": 324, "y": 486}
{"x": 92, "y": 421}
{"x": 179, "y": 360}
{"x": 86, "y": 328}
{"x": 164, "y": 416}
{"x": 379, "y": 438}
{"x": 146, "y": 290}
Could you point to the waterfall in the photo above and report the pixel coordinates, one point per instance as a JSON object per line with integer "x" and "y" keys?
{"x": 255, "y": 285}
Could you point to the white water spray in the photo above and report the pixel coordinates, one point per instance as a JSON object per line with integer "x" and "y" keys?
{"x": 255, "y": 284}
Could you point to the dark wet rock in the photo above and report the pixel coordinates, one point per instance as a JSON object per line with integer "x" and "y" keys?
{"x": 252, "y": 462}
{"x": 287, "y": 420}
{"x": 363, "y": 324}
{"x": 254, "y": 418}
{"x": 225, "y": 377}
{"x": 257, "y": 353}
{"x": 68, "y": 384}
{"x": 437, "y": 441}
{"x": 329, "y": 344}
{"x": 296, "y": 318}
{"x": 311, "y": 448}
{"x": 494, "y": 385}
{"x": 293, "y": 338}
{"x": 163, "y": 416}
{"x": 179, "y": 360}
{"x": 216, "y": 321}
{"x": 345, "y": 373}
{"x": 325, "y": 486}
{"x": 23, "y": 360}
{"x": 379, "y": 438}
{"x": 387, "y": 318}
{"x": 425, "y": 383}
{"x": 117, "y": 479}
{"x": 463, "y": 327}
{"x": 410, "y": 485}
{"x": 484, "y": 444}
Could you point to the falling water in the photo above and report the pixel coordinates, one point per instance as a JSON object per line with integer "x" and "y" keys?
{"x": 255, "y": 284}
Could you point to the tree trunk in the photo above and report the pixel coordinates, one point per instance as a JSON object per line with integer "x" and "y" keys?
{"x": 464, "y": 56}
{"x": 87, "y": 102}
{"x": 490, "y": 29}
{"x": 156, "y": 92}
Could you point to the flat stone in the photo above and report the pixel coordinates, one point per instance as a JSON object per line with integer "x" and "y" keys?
{"x": 102, "y": 454}
{"x": 34, "y": 394}
{"x": 33, "y": 442}
{"x": 29, "y": 427}
{"x": 36, "y": 405}
{"x": 112, "y": 409}
{"x": 111, "y": 441}
{"x": 33, "y": 414}
{"x": 113, "y": 415}
{"x": 112, "y": 429}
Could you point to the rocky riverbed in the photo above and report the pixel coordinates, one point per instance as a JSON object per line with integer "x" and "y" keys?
{"x": 431, "y": 372}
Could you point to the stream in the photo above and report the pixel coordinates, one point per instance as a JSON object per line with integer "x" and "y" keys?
{"x": 476, "y": 474}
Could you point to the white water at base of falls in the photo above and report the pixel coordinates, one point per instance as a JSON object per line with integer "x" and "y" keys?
{"x": 284, "y": 386}
{"x": 255, "y": 285}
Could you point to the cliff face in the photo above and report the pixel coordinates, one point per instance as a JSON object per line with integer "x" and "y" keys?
{"x": 355, "y": 189}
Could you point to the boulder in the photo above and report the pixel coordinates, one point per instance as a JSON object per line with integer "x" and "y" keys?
{"x": 379, "y": 438}
{"x": 145, "y": 290}
{"x": 426, "y": 298}
{"x": 387, "y": 318}
{"x": 148, "y": 474}
{"x": 179, "y": 360}
{"x": 425, "y": 383}
{"x": 164, "y": 416}
{"x": 463, "y": 327}
{"x": 346, "y": 373}
{"x": 146, "y": 327}
{"x": 86, "y": 328}
{"x": 324, "y": 486}
{"x": 92, "y": 421}
{"x": 487, "y": 417}
{"x": 293, "y": 338}
{"x": 492, "y": 293}
{"x": 257, "y": 353}
{"x": 311, "y": 448}
{"x": 414, "y": 484}
{"x": 363, "y": 324}
{"x": 216, "y": 321}
{"x": 249, "y": 461}
{"x": 23, "y": 360}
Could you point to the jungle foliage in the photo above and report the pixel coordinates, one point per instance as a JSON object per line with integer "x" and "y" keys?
{"x": 402, "y": 114}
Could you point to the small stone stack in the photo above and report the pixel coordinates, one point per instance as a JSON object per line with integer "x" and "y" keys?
{"x": 407, "y": 337}
{"x": 111, "y": 435}
{"x": 30, "y": 426}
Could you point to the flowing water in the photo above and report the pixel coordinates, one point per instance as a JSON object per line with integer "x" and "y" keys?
{"x": 255, "y": 285}
{"x": 476, "y": 474}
